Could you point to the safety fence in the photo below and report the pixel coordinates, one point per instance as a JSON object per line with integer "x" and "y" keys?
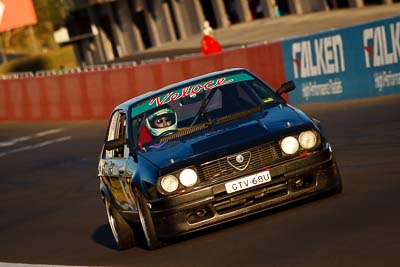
{"x": 93, "y": 93}
{"x": 348, "y": 63}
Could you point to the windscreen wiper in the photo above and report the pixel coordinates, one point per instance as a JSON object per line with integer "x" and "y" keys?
{"x": 184, "y": 132}
{"x": 201, "y": 111}
{"x": 237, "y": 115}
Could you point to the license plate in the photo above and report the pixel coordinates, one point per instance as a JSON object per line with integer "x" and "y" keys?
{"x": 248, "y": 181}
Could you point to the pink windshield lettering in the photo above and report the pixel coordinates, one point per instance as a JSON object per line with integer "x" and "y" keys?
{"x": 197, "y": 89}
{"x": 184, "y": 92}
{"x": 175, "y": 97}
{"x": 222, "y": 81}
{"x": 207, "y": 86}
{"x": 160, "y": 102}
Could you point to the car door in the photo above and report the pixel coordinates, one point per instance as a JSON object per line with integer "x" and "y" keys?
{"x": 115, "y": 162}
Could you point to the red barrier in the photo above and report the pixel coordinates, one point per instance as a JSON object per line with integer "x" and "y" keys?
{"x": 96, "y": 84}
{"x": 93, "y": 94}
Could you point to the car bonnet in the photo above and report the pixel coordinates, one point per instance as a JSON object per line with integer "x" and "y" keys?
{"x": 227, "y": 138}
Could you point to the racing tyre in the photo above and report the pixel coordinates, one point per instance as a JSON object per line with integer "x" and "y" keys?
{"x": 150, "y": 238}
{"x": 121, "y": 230}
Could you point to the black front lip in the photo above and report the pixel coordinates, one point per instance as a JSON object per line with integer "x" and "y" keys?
{"x": 170, "y": 214}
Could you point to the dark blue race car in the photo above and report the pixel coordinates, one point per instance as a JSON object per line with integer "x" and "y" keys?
{"x": 206, "y": 151}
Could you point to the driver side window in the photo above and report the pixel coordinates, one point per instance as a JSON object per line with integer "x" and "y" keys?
{"x": 117, "y": 131}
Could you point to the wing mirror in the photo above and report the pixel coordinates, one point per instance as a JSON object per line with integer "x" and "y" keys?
{"x": 114, "y": 144}
{"x": 286, "y": 87}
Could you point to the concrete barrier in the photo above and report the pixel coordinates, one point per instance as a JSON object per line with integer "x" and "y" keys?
{"x": 93, "y": 94}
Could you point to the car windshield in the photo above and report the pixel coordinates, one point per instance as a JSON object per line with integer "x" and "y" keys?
{"x": 195, "y": 107}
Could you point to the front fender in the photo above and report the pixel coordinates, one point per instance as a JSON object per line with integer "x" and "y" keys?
{"x": 145, "y": 178}
{"x": 104, "y": 191}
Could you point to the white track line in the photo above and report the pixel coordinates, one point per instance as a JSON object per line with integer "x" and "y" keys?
{"x": 52, "y": 131}
{"x": 35, "y": 146}
{"x": 6, "y": 264}
{"x": 14, "y": 141}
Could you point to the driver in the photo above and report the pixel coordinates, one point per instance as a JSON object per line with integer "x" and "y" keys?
{"x": 161, "y": 120}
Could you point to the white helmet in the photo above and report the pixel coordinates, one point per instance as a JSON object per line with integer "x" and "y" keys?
{"x": 157, "y": 114}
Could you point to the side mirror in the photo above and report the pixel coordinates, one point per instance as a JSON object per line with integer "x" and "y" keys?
{"x": 286, "y": 87}
{"x": 114, "y": 144}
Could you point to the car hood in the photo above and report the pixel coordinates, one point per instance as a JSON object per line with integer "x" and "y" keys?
{"x": 227, "y": 138}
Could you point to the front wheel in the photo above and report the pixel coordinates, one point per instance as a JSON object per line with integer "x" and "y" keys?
{"x": 146, "y": 222}
{"x": 121, "y": 230}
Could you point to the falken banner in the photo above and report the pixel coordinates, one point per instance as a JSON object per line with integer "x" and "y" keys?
{"x": 354, "y": 62}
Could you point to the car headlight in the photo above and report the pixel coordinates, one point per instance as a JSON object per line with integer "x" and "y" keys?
{"x": 290, "y": 145}
{"x": 169, "y": 183}
{"x": 188, "y": 177}
{"x": 308, "y": 139}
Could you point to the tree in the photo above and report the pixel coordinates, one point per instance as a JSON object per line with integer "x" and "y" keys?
{"x": 51, "y": 15}
{"x": 53, "y": 11}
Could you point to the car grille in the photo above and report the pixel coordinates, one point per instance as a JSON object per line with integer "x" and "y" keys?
{"x": 260, "y": 157}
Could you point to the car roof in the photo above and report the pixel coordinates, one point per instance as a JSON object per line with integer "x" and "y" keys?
{"x": 131, "y": 102}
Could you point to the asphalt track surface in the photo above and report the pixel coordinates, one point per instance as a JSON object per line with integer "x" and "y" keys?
{"x": 51, "y": 213}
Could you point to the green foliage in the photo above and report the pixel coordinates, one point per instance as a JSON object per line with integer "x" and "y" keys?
{"x": 50, "y": 11}
{"x": 39, "y": 37}
{"x": 54, "y": 60}
{"x": 37, "y": 41}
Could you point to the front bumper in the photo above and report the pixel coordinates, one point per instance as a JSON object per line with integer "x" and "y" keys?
{"x": 291, "y": 181}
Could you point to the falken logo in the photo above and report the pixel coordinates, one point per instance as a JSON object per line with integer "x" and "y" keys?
{"x": 382, "y": 45}
{"x": 322, "y": 56}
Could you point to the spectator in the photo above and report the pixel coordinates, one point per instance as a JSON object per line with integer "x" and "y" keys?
{"x": 209, "y": 45}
